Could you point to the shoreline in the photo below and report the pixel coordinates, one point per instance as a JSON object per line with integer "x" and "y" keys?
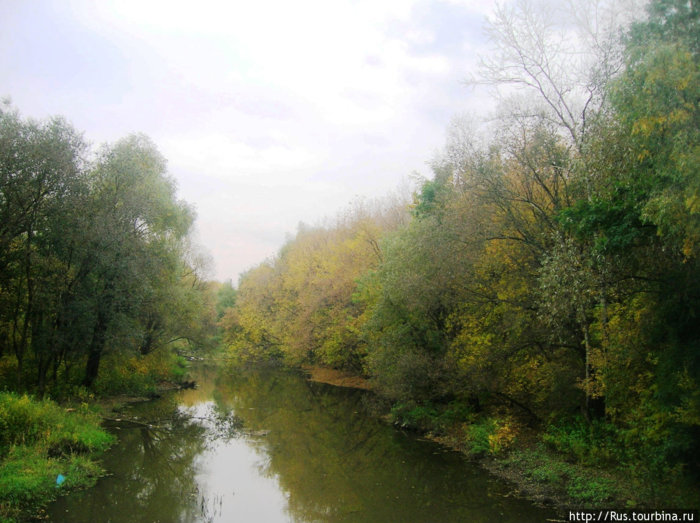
{"x": 521, "y": 465}
{"x": 336, "y": 378}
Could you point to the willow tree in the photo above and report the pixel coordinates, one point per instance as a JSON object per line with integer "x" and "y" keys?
{"x": 138, "y": 227}
{"x": 94, "y": 253}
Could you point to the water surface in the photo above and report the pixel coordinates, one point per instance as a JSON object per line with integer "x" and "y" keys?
{"x": 270, "y": 446}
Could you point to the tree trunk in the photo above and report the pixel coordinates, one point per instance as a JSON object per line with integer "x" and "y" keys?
{"x": 594, "y": 407}
{"x": 99, "y": 336}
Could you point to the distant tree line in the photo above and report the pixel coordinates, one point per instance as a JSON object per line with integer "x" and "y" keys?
{"x": 551, "y": 265}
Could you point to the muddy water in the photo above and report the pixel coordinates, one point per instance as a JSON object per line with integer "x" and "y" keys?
{"x": 271, "y": 446}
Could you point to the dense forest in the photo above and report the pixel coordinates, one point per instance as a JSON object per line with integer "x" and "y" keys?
{"x": 97, "y": 269}
{"x": 544, "y": 281}
{"x": 549, "y": 269}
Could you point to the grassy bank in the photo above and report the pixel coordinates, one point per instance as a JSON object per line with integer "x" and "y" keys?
{"x": 565, "y": 463}
{"x": 39, "y": 440}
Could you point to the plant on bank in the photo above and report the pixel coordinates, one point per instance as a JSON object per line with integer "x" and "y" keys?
{"x": 38, "y": 441}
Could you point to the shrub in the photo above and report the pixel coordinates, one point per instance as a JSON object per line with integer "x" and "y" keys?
{"x": 414, "y": 416}
{"x": 139, "y": 375}
{"x": 478, "y": 435}
{"x": 594, "y": 443}
{"x": 503, "y": 437}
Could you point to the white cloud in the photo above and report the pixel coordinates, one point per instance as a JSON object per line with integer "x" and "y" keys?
{"x": 219, "y": 156}
{"x": 269, "y": 112}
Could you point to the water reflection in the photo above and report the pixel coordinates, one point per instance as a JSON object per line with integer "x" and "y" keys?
{"x": 150, "y": 467}
{"x": 270, "y": 446}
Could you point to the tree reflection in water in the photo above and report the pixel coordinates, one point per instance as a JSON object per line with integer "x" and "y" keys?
{"x": 271, "y": 446}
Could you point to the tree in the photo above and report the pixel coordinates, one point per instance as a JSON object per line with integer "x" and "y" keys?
{"x": 566, "y": 67}
{"x": 138, "y": 229}
{"x": 302, "y": 304}
{"x": 226, "y": 298}
{"x": 40, "y": 178}
{"x": 94, "y": 255}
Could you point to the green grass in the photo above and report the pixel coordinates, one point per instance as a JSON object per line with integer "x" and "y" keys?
{"x": 596, "y": 443}
{"x": 585, "y": 464}
{"x": 38, "y": 441}
{"x": 478, "y": 434}
{"x": 430, "y": 417}
{"x": 584, "y": 486}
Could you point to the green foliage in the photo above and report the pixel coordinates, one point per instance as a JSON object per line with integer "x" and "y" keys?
{"x": 420, "y": 417}
{"x": 225, "y": 298}
{"x": 590, "y": 491}
{"x": 303, "y": 307}
{"x": 30, "y": 422}
{"x": 584, "y": 487}
{"x": 547, "y": 474}
{"x": 139, "y": 375}
{"x": 588, "y": 443}
{"x": 430, "y": 417}
{"x": 613, "y": 225}
{"x": 433, "y": 194}
{"x": 553, "y": 273}
{"x": 479, "y": 435}
{"x": 178, "y": 368}
{"x": 28, "y": 480}
{"x": 94, "y": 256}
{"x": 39, "y": 440}
{"x": 658, "y": 445}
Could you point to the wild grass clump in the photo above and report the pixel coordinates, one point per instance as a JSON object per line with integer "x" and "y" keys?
{"x": 38, "y": 441}
{"x": 588, "y": 443}
{"x": 430, "y": 417}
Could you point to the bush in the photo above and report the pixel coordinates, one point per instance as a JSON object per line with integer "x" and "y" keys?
{"x": 594, "y": 443}
{"x": 28, "y": 422}
{"x": 413, "y": 416}
{"x": 657, "y": 449}
{"x": 490, "y": 436}
{"x": 478, "y": 437}
{"x": 178, "y": 369}
{"x": 138, "y": 375}
{"x": 503, "y": 436}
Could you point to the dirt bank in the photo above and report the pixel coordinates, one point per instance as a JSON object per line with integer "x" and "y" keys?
{"x": 336, "y": 377}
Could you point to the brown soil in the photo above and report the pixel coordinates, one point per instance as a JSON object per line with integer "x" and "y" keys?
{"x": 336, "y": 377}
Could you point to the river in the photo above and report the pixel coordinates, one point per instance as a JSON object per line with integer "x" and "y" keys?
{"x": 270, "y": 446}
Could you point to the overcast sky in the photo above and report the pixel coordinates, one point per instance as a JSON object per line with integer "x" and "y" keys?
{"x": 269, "y": 112}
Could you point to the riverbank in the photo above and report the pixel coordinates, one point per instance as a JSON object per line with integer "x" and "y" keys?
{"x": 554, "y": 466}
{"x": 336, "y": 377}
{"x": 49, "y": 449}
{"x": 45, "y": 451}
{"x": 545, "y": 476}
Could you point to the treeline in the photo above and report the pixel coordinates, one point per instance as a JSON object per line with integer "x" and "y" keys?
{"x": 95, "y": 260}
{"x": 550, "y": 266}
